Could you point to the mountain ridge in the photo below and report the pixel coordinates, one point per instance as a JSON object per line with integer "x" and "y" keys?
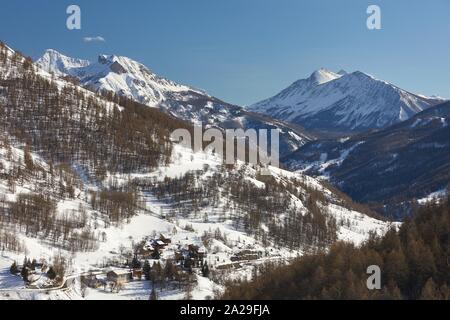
{"x": 135, "y": 81}
{"x": 351, "y": 102}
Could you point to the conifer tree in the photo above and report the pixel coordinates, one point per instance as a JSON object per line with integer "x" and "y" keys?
{"x": 146, "y": 270}
{"x": 24, "y": 273}
{"x": 205, "y": 270}
{"x": 153, "y": 294}
{"x": 14, "y": 269}
{"x": 51, "y": 274}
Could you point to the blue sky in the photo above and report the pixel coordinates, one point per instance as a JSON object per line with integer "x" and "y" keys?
{"x": 246, "y": 50}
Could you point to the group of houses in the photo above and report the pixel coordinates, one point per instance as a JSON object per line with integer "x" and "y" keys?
{"x": 190, "y": 256}
{"x": 152, "y": 248}
{"x": 186, "y": 257}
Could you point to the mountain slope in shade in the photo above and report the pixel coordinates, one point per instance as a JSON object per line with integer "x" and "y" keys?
{"x": 342, "y": 101}
{"x": 391, "y": 167}
{"x": 133, "y": 80}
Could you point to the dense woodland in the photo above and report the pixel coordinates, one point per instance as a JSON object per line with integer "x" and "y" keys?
{"x": 34, "y": 213}
{"x": 414, "y": 262}
{"x": 117, "y": 205}
{"x": 68, "y": 124}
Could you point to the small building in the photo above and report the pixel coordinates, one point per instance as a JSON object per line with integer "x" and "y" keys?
{"x": 92, "y": 281}
{"x": 146, "y": 251}
{"x": 159, "y": 244}
{"x": 164, "y": 238}
{"x": 119, "y": 276}
{"x": 246, "y": 254}
{"x": 190, "y": 256}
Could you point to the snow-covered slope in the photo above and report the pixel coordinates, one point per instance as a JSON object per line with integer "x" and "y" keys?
{"x": 343, "y": 102}
{"x": 155, "y": 217}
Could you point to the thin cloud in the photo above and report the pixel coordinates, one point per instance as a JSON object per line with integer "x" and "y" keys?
{"x": 94, "y": 39}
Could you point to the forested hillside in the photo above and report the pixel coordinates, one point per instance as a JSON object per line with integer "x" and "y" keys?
{"x": 69, "y": 124}
{"x": 414, "y": 262}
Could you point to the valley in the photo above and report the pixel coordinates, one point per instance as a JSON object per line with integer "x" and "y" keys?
{"x": 92, "y": 186}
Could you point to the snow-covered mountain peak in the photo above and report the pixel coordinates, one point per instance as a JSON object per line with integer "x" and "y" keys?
{"x": 343, "y": 102}
{"x": 361, "y": 74}
{"x": 119, "y": 74}
{"x": 58, "y": 63}
{"x": 128, "y": 65}
{"x": 51, "y": 52}
{"x": 322, "y": 76}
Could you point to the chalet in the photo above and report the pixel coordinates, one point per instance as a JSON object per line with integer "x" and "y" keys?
{"x": 246, "y": 254}
{"x": 92, "y": 281}
{"x": 190, "y": 256}
{"x": 158, "y": 244}
{"x": 228, "y": 266}
{"x": 119, "y": 276}
{"x": 146, "y": 251}
{"x": 164, "y": 238}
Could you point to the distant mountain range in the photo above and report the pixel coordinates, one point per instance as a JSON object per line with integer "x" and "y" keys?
{"x": 391, "y": 167}
{"x": 133, "y": 80}
{"x": 395, "y": 150}
{"x": 343, "y": 103}
{"x": 118, "y": 74}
